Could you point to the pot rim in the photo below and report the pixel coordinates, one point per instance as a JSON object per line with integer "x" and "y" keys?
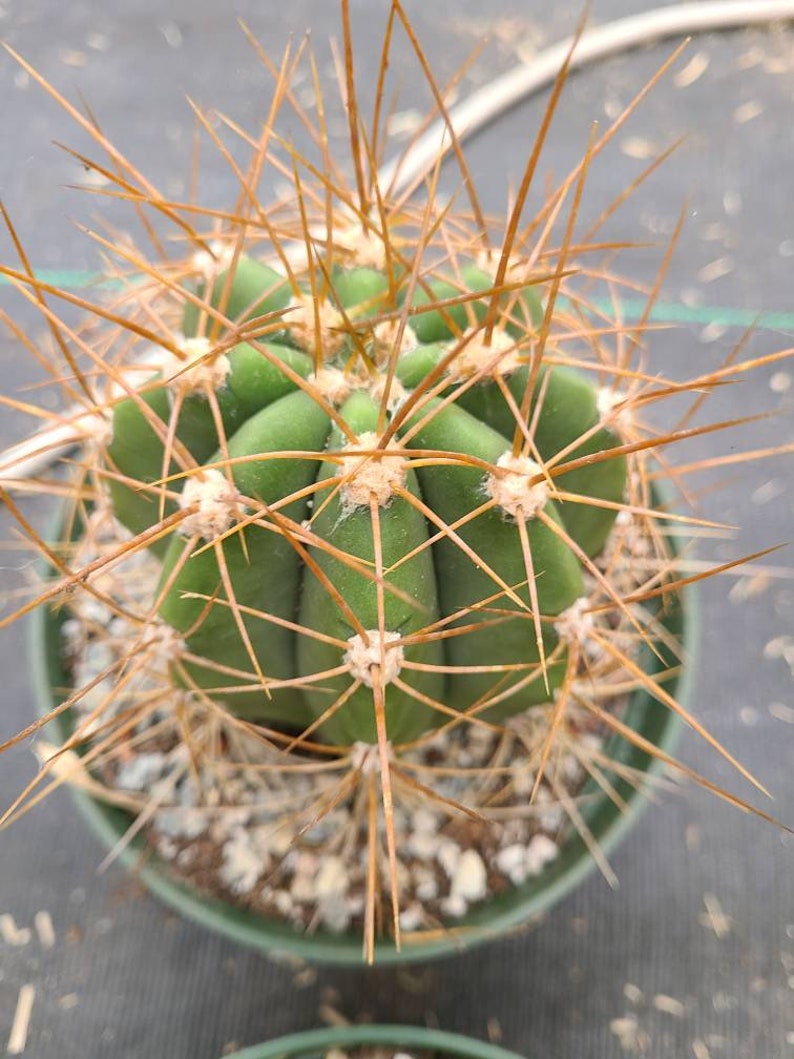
{"x": 305, "y": 1044}
{"x": 504, "y": 914}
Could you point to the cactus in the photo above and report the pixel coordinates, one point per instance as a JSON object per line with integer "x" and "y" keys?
{"x": 293, "y": 550}
{"x": 390, "y": 468}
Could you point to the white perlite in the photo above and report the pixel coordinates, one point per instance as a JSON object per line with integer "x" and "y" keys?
{"x": 361, "y": 657}
{"x": 367, "y": 476}
{"x": 141, "y": 771}
{"x": 331, "y": 885}
{"x": 540, "y": 852}
{"x": 470, "y": 880}
{"x": 197, "y": 370}
{"x": 217, "y": 504}
{"x": 243, "y": 863}
{"x": 512, "y": 489}
{"x": 500, "y": 355}
{"x": 448, "y": 856}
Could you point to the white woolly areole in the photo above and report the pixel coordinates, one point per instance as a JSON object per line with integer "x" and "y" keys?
{"x": 217, "y": 505}
{"x": 488, "y": 261}
{"x": 332, "y": 383}
{"x": 161, "y": 643}
{"x": 361, "y": 657}
{"x": 512, "y": 490}
{"x": 385, "y": 336}
{"x": 501, "y": 355}
{"x": 365, "y": 757}
{"x": 397, "y": 392}
{"x": 607, "y": 401}
{"x": 302, "y": 320}
{"x": 216, "y": 259}
{"x": 575, "y": 625}
{"x": 199, "y": 370}
{"x": 95, "y": 428}
{"x": 365, "y": 248}
{"x": 368, "y": 476}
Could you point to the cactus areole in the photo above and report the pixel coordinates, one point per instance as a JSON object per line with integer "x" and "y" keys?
{"x": 385, "y": 499}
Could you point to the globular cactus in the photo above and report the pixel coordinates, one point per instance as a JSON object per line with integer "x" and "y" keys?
{"x": 391, "y": 467}
{"x": 369, "y": 510}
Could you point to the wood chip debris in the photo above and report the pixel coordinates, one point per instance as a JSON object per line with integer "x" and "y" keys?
{"x": 172, "y": 34}
{"x": 779, "y": 647}
{"x": 699, "y": 1049}
{"x": 494, "y": 1030}
{"x": 632, "y": 1039}
{"x": 770, "y": 490}
{"x": 638, "y": 147}
{"x": 748, "y": 715}
{"x": 781, "y": 712}
{"x": 717, "y": 231}
{"x": 305, "y": 978}
{"x": 68, "y": 1001}
{"x": 721, "y": 266}
{"x": 732, "y": 203}
{"x": 747, "y": 111}
{"x": 712, "y": 332}
{"x": 91, "y": 178}
{"x": 692, "y": 297}
{"x": 404, "y": 123}
{"x": 613, "y": 107}
{"x": 722, "y": 1001}
{"x": 669, "y": 1005}
{"x": 754, "y": 56}
{"x": 633, "y": 994}
{"x": 780, "y": 63}
{"x": 11, "y": 933}
{"x": 97, "y": 41}
{"x": 19, "y": 1028}
{"x": 714, "y": 917}
{"x": 72, "y": 57}
{"x": 44, "y": 928}
{"x": 749, "y": 587}
{"x": 693, "y": 838}
{"x": 694, "y": 69}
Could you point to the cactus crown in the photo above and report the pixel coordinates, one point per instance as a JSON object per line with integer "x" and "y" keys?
{"x": 388, "y": 460}
{"x": 371, "y": 499}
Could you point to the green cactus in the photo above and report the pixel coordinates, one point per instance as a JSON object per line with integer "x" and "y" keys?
{"x": 374, "y": 488}
{"x": 346, "y": 505}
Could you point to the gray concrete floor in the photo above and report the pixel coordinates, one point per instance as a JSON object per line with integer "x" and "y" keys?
{"x": 128, "y": 979}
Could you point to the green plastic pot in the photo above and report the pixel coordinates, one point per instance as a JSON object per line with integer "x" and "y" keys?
{"x": 493, "y": 919}
{"x": 313, "y": 1044}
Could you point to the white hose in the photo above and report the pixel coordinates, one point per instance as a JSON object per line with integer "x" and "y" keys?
{"x": 498, "y": 96}
{"x": 485, "y": 105}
